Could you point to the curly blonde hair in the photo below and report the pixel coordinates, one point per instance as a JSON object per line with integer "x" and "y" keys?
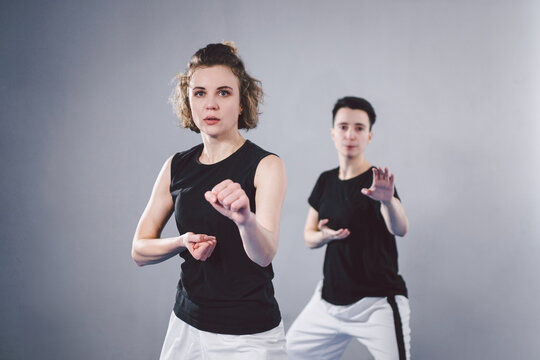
{"x": 251, "y": 93}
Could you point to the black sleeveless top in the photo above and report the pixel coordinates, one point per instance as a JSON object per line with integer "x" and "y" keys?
{"x": 228, "y": 293}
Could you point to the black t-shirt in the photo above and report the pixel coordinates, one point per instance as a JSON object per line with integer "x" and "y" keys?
{"x": 228, "y": 293}
{"x": 366, "y": 262}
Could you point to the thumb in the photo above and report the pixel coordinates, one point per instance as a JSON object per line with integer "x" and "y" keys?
{"x": 322, "y": 223}
{"x": 210, "y": 197}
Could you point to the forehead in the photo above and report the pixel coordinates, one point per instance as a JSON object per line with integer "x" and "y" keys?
{"x": 213, "y": 76}
{"x": 351, "y": 116}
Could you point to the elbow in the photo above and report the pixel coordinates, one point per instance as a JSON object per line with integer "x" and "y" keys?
{"x": 402, "y": 231}
{"x": 307, "y": 240}
{"x": 310, "y": 245}
{"x": 137, "y": 257}
{"x": 264, "y": 263}
{"x": 140, "y": 263}
{"x": 265, "y": 259}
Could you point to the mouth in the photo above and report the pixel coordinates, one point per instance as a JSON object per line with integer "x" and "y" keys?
{"x": 211, "y": 120}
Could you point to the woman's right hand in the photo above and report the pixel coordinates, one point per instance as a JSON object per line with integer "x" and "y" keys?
{"x": 200, "y": 246}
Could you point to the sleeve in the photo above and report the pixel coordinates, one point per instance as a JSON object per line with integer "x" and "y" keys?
{"x": 315, "y": 198}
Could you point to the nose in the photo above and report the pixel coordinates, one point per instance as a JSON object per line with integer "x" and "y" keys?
{"x": 350, "y": 133}
{"x": 211, "y": 103}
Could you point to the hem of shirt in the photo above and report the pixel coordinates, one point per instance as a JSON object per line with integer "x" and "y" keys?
{"x": 352, "y": 300}
{"x": 227, "y": 329}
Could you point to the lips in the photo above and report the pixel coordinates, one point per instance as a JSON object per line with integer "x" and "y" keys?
{"x": 211, "y": 120}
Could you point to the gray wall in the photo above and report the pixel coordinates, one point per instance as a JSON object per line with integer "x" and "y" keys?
{"x": 85, "y": 128}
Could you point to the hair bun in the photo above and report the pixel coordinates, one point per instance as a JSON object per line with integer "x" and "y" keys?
{"x": 231, "y": 44}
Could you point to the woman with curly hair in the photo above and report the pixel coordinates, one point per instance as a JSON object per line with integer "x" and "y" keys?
{"x": 226, "y": 195}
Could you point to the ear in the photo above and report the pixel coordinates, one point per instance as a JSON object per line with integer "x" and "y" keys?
{"x": 332, "y": 133}
{"x": 370, "y": 136}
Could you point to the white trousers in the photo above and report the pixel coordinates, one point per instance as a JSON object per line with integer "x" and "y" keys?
{"x": 185, "y": 342}
{"x": 323, "y": 330}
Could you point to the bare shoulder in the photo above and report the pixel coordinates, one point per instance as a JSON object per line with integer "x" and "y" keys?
{"x": 271, "y": 168}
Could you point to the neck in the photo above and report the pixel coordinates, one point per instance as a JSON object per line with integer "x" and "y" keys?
{"x": 352, "y": 167}
{"x": 215, "y": 150}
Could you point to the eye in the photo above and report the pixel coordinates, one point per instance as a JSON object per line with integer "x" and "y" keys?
{"x": 224, "y": 93}
{"x": 198, "y": 93}
{"x": 343, "y": 127}
{"x": 360, "y": 128}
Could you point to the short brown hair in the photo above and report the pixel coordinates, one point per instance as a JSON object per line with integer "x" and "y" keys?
{"x": 251, "y": 93}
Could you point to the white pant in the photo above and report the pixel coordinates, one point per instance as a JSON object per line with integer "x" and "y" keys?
{"x": 185, "y": 342}
{"x": 323, "y": 330}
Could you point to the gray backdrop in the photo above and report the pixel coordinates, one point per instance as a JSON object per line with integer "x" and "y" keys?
{"x": 85, "y": 128}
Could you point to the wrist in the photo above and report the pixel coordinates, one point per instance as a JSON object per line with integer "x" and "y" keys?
{"x": 247, "y": 222}
{"x": 181, "y": 240}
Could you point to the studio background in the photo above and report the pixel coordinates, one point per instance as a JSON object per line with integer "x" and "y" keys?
{"x": 86, "y": 127}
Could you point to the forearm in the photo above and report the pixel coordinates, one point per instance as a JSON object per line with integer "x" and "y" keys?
{"x": 146, "y": 251}
{"x": 259, "y": 243}
{"x": 395, "y": 217}
{"x": 315, "y": 238}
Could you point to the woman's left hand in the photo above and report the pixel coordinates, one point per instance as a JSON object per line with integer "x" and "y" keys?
{"x": 230, "y": 200}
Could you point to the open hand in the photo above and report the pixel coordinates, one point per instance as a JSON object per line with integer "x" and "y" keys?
{"x": 382, "y": 187}
{"x": 330, "y": 234}
{"x": 200, "y": 246}
{"x": 230, "y": 200}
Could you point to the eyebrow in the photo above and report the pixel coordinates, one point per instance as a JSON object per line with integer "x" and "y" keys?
{"x": 224, "y": 87}
{"x": 355, "y": 124}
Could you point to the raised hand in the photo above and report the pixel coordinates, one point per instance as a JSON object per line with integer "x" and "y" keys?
{"x": 230, "y": 200}
{"x": 382, "y": 187}
{"x": 330, "y": 234}
{"x": 200, "y": 246}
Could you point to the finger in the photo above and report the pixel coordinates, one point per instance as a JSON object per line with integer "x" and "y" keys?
{"x": 340, "y": 234}
{"x": 210, "y": 197}
{"x": 195, "y": 241}
{"x": 207, "y": 250}
{"x": 384, "y": 173}
{"x": 240, "y": 202}
{"x": 202, "y": 255}
{"x": 322, "y": 223}
{"x": 210, "y": 249}
{"x": 228, "y": 197}
{"x": 228, "y": 194}
{"x": 198, "y": 238}
{"x": 345, "y": 233}
{"x": 201, "y": 252}
{"x": 222, "y": 185}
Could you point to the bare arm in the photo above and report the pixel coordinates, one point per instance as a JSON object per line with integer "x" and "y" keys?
{"x": 260, "y": 231}
{"x": 382, "y": 189}
{"x": 317, "y": 234}
{"x": 148, "y": 247}
{"x": 395, "y": 217}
